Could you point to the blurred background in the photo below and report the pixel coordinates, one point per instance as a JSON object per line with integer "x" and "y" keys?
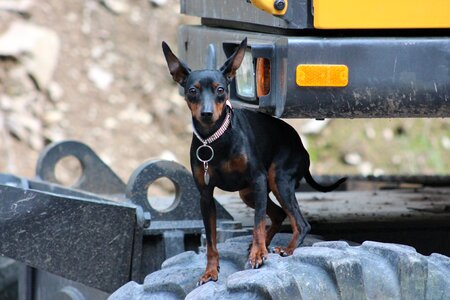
{"x": 93, "y": 71}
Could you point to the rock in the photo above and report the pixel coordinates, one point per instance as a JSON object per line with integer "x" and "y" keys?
{"x": 158, "y": 3}
{"x": 97, "y": 51}
{"x": 370, "y": 133}
{"x": 352, "y": 159}
{"x": 23, "y": 110}
{"x": 168, "y": 155}
{"x": 72, "y": 17}
{"x": 110, "y": 123}
{"x": 396, "y": 160}
{"x": 117, "y": 7}
{"x": 54, "y": 134}
{"x": 86, "y": 20}
{"x": 116, "y": 99}
{"x": 445, "y": 141}
{"x": 365, "y": 168}
{"x": 388, "y": 134}
{"x": 314, "y": 126}
{"x": 136, "y": 15}
{"x": 21, "y": 7}
{"x": 134, "y": 114}
{"x": 100, "y": 77}
{"x": 37, "y": 48}
{"x": 55, "y": 91}
{"x": 26, "y": 128}
{"x": 378, "y": 172}
{"x": 53, "y": 117}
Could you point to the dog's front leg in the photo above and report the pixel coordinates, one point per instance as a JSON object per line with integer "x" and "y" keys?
{"x": 208, "y": 208}
{"x": 258, "y": 250}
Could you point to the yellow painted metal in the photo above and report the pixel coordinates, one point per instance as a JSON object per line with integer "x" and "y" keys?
{"x": 322, "y": 75}
{"x": 268, "y": 6}
{"x": 379, "y": 14}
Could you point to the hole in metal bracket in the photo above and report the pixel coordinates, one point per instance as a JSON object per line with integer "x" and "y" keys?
{"x": 68, "y": 170}
{"x": 163, "y": 195}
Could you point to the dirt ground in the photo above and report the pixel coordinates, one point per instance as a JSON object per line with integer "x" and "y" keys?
{"x": 111, "y": 90}
{"x": 139, "y": 116}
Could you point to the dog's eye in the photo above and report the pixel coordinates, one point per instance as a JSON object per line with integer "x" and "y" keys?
{"x": 192, "y": 91}
{"x": 220, "y": 90}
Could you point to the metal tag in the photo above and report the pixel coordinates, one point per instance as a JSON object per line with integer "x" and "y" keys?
{"x": 206, "y": 177}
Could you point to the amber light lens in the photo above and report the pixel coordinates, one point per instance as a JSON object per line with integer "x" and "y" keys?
{"x": 262, "y": 76}
{"x": 322, "y": 75}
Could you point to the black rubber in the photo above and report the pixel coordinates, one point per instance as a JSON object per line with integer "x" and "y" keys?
{"x": 325, "y": 270}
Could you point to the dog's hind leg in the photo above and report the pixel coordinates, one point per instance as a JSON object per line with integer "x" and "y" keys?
{"x": 277, "y": 216}
{"x": 284, "y": 190}
{"x": 275, "y": 213}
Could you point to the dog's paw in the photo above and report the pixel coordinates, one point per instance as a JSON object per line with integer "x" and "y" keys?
{"x": 209, "y": 275}
{"x": 257, "y": 256}
{"x": 282, "y": 251}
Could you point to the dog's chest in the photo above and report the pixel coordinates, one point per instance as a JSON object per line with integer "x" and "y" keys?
{"x": 229, "y": 174}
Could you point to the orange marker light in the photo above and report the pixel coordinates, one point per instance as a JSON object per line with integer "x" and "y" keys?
{"x": 322, "y": 75}
{"x": 262, "y": 77}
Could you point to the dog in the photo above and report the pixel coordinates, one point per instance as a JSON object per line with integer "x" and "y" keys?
{"x": 245, "y": 151}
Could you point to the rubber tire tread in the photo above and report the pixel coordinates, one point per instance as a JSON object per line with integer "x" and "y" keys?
{"x": 319, "y": 270}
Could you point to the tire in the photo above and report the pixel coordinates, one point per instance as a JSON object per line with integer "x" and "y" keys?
{"x": 318, "y": 270}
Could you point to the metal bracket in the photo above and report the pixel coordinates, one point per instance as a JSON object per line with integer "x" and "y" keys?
{"x": 96, "y": 176}
{"x": 80, "y": 234}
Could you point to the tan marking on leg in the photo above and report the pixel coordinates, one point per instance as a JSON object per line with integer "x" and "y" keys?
{"x": 277, "y": 216}
{"x": 212, "y": 256}
{"x": 258, "y": 252}
{"x": 271, "y": 176}
{"x": 295, "y": 232}
{"x": 245, "y": 196}
{"x": 295, "y": 235}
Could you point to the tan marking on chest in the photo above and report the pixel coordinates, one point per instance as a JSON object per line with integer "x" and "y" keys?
{"x": 199, "y": 174}
{"x": 235, "y": 164}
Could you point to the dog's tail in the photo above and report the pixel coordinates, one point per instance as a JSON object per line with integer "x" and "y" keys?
{"x": 310, "y": 180}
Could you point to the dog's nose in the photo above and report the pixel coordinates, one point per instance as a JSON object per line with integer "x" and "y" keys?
{"x": 206, "y": 114}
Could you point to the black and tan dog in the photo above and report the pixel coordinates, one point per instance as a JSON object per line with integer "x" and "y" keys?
{"x": 245, "y": 151}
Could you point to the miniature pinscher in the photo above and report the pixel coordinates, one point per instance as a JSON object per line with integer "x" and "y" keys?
{"x": 246, "y": 151}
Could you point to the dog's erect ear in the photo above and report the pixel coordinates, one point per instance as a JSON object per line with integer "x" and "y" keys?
{"x": 234, "y": 61}
{"x": 177, "y": 68}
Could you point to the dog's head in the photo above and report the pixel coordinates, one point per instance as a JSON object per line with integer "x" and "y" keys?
{"x": 205, "y": 91}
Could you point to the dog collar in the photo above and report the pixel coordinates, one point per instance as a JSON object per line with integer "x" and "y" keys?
{"x": 226, "y": 123}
